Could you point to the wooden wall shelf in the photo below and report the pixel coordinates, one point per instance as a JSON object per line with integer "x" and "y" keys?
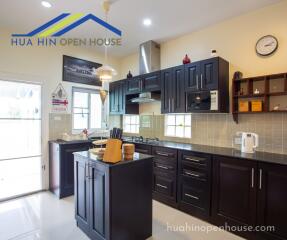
{"x": 272, "y": 89}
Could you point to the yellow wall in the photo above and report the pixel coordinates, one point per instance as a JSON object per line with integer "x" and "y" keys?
{"x": 233, "y": 39}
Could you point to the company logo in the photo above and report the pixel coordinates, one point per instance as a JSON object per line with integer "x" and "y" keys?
{"x": 62, "y": 24}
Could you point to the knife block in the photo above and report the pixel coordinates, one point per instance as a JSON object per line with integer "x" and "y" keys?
{"x": 113, "y": 153}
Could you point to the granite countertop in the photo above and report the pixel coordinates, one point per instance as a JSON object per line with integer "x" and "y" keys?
{"x": 220, "y": 151}
{"x": 92, "y": 157}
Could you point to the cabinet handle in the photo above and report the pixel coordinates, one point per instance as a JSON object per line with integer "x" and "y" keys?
{"x": 192, "y": 159}
{"x": 252, "y": 178}
{"x": 141, "y": 150}
{"x": 191, "y": 196}
{"x": 86, "y": 170}
{"x": 260, "y": 179}
{"x": 192, "y": 174}
{"x": 172, "y": 104}
{"x": 163, "y": 167}
{"x": 169, "y": 105}
{"x": 201, "y": 81}
{"x": 162, "y": 186}
{"x": 197, "y": 82}
{"x": 162, "y": 154}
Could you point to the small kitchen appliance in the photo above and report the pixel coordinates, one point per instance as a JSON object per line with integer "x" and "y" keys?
{"x": 248, "y": 141}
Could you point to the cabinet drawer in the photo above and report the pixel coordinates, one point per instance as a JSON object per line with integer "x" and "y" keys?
{"x": 164, "y": 165}
{"x": 194, "y": 174}
{"x": 164, "y": 153}
{"x": 197, "y": 159}
{"x": 192, "y": 196}
{"x": 164, "y": 185}
{"x": 141, "y": 148}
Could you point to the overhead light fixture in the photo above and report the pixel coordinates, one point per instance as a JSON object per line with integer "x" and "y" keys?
{"x": 147, "y": 22}
{"x": 106, "y": 72}
{"x": 46, "y": 4}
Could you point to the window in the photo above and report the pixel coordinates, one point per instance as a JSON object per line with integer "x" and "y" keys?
{"x": 178, "y": 125}
{"x": 87, "y": 109}
{"x": 131, "y": 124}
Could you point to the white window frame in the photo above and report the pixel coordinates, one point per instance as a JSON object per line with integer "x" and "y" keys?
{"x": 138, "y": 124}
{"x": 175, "y": 126}
{"x": 89, "y": 91}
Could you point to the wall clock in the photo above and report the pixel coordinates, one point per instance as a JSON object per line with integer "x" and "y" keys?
{"x": 266, "y": 45}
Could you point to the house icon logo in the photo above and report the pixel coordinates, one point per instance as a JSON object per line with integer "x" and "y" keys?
{"x": 65, "y": 23}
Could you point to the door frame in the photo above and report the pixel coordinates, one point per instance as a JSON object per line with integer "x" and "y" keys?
{"x": 34, "y": 80}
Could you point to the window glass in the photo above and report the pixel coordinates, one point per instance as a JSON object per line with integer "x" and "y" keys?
{"x": 178, "y": 125}
{"x": 131, "y": 123}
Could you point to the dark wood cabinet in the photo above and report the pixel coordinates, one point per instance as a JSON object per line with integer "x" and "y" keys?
{"x": 172, "y": 90}
{"x": 61, "y": 166}
{"x": 234, "y": 192}
{"x": 134, "y": 85}
{"x": 194, "y": 183}
{"x": 272, "y": 199}
{"x": 143, "y": 148}
{"x": 109, "y": 196}
{"x": 192, "y": 75}
{"x": 117, "y": 97}
{"x": 206, "y": 75}
{"x": 151, "y": 82}
{"x": 165, "y": 175}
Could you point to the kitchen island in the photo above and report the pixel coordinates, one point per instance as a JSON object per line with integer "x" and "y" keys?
{"x": 113, "y": 201}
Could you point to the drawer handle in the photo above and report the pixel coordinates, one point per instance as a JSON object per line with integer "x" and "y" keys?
{"x": 162, "y": 186}
{"x": 141, "y": 150}
{"x": 191, "y": 196}
{"x": 162, "y": 154}
{"x": 163, "y": 167}
{"x": 193, "y": 159}
{"x": 192, "y": 174}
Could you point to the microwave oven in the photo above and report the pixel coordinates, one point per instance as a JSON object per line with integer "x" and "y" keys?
{"x": 202, "y": 101}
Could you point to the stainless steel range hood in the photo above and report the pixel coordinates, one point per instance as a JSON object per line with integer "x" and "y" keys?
{"x": 149, "y": 57}
{"x": 146, "y": 98}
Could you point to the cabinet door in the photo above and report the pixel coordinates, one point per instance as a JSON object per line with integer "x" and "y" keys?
{"x": 178, "y": 98}
{"x": 192, "y": 75}
{"x": 134, "y": 85}
{"x": 81, "y": 193}
{"x": 113, "y": 98}
{"x": 121, "y": 97}
{"x": 272, "y": 199}
{"x": 98, "y": 201}
{"x": 166, "y": 90}
{"x": 67, "y": 167}
{"x": 234, "y": 191}
{"x": 151, "y": 81}
{"x": 209, "y": 74}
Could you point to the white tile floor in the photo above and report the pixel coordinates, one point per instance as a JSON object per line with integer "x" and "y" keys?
{"x": 43, "y": 216}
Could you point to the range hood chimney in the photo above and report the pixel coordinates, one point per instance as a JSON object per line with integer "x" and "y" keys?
{"x": 149, "y": 57}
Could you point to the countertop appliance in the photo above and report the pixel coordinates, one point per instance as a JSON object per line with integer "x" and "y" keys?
{"x": 249, "y": 142}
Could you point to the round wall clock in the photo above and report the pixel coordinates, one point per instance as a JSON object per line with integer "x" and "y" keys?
{"x": 266, "y": 45}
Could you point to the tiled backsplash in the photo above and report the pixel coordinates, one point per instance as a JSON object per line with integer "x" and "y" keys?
{"x": 219, "y": 129}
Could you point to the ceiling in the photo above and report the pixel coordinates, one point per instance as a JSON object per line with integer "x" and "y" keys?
{"x": 170, "y": 18}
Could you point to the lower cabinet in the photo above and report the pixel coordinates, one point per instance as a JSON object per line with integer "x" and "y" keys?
{"x": 107, "y": 197}
{"x": 272, "y": 200}
{"x": 61, "y": 166}
{"x": 194, "y": 183}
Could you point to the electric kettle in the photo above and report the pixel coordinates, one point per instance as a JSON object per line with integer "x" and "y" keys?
{"x": 250, "y": 142}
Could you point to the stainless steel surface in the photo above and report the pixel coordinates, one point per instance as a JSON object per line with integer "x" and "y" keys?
{"x": 146, "y": 97}
{"x": 162, "y": 154}
{"x": 260, "y": 179}
{"x": 252, "y": 178}
{"x": 192, "y": 159}
{"x": 149, "y": 57}
{"x": 162, "y": 186}
{"x": 201, "y": 81}
{"x": 191, "y": 196}
{"x": 192, "y": 174}
{"x": 163, "y": 167}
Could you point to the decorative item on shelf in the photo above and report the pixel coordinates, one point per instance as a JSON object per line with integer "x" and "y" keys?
{"x": 243, "y": 106}
{"x": 241, "y": 92}
{"x": 129, "y": 75}
{"x": 266, "y": 45}
{"x": 256, "y": 106}
{"x": 128, "y": 150}
{"x": 237, "y": 75}
{"x": 213, "y": 53}
{"x": 186, "y": 59}
{"x": 256, "y": 91}
{"x": 113, "y": 152}
{"x": 276, "y": 107}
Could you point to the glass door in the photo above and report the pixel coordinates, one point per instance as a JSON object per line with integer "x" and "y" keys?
{"x": 20, "y": 141}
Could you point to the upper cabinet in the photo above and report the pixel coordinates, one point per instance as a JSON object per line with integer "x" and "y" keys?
{"x": 117, "y": 97}
{"x": 144, "y": 83}
{"x": 208, "y": 74}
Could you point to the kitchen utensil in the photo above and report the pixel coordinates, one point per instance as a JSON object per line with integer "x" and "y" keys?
{"x": 250, "y": 141}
